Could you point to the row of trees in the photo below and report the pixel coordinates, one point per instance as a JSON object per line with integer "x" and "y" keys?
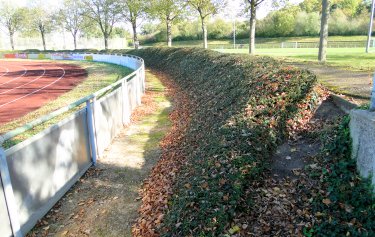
{"x": 292, "y": 20}
{"x": 302, "y": 21}
{"x": 76, "y": 15}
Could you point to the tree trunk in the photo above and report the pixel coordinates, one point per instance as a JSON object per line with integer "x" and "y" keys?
{"x": 169, "y": 32}
{"x": 11, "y": 34}
{"x": 43, "y": 40}
{"x": 324, "y": 32}
{"x": 253, "y": 11}
{"x": 105, "y": 41}
{"x": 135, "y": 36}
{"x": 204, "y": 29}
{"x": 75, "y": 40}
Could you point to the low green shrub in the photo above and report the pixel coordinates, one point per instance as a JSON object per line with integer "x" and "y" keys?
{"x": 242, "y": 108}
{"x": 346, "y": 202}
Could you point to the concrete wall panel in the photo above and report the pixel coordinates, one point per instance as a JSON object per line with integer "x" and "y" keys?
{"x": 44, "y": 167}
{"x": 362, "y": 130}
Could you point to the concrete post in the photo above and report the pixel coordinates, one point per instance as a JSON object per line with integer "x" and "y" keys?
{"x": 125, "y": 103}
{"x": 91, "y": 130}
{"x": 9, "y": 195}
{"x": 372, "y": 106}
{"x": 362, "y": 132}
{"x": 138, "y": 88}
{"x": 143, "y": 79}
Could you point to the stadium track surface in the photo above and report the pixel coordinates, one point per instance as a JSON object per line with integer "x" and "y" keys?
{"x": 27, "y": 85}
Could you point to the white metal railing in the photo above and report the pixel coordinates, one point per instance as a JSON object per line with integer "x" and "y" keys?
{"x": 62, "y": 153}
{"x": 331, "y": 44}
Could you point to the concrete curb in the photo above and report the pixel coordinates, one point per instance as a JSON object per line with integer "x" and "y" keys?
{"x": 343, "y": 104}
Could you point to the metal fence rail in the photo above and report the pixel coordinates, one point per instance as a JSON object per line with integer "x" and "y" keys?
{"x": 58, "y": 41}
{"x": 37, "y": 172}
{"x": 331, "y": 44}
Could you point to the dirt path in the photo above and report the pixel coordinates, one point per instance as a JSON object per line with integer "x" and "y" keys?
{"x": 105, "y": 201}
{"x": 295, "y": 154}
{"x": 353, "y": 84}
{"x": 280, "y": 206}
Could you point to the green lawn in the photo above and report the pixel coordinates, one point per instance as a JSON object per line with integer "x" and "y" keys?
{"x": 198, "y": 43}
{"x": 347, "y": 58}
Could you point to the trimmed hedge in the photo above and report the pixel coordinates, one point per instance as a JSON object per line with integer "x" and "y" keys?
{"x": 243, "y": 105}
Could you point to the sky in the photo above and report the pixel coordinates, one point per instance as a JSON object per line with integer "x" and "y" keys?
{"x": 234, "y": 6}
{"x": 234, "y": 9}
{"x": 50, "y": 4}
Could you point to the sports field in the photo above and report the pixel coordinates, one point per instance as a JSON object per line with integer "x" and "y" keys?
{"x": 57, "y": 92}
{"x": 27, "y": 85}
{"x": 278, "y": 40}
{"x": 347, "y": 58}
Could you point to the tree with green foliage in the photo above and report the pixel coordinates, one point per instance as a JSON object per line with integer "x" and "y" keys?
{"x": 168, "y": 11}
{"x": 105, "y": 13}
{"x": 12, "y": 18}
{"x": 189, "y": 30}
{"x": 307, "y": 24}
{"x": 206, "y": 8}
{"x": 132, "y": 11}
{"x": 42, "y": 21}
{"x": 72, "y": 18}
{"x": 311, "y": 6}
{"x": 220, "y": 29}
{"x": 283, "y": 22}
{"x": 349, "y": 7}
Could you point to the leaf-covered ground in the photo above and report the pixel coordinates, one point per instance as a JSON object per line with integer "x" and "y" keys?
{"x": 240, "y": 108}
{"x": 284, "y": 200}
{"x": 158, "y": 187}
{"x": 215, "y": 177}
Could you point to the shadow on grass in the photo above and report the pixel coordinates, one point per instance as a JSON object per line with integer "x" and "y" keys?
{"x": 110, "y": 190}
{"x": 127, "y": 180}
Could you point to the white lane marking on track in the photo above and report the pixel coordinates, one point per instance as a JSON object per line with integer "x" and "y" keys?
{"x": 23, "y": 74}
{"x": 31, "y": 93}
{"x": 44, "y": 72}
{"x": 7, "y": 71}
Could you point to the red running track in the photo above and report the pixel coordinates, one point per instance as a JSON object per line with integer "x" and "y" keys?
{"x": 27, "y": 85}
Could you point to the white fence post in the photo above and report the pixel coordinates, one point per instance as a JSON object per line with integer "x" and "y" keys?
{"x": 372, "y": 106}
{"x": 9, "y": 195}
{"x": 138, "y": 87}
{"x": 91, "y": 130}
{"x": 143, "y": 78}
{"x": 125, "y": 103}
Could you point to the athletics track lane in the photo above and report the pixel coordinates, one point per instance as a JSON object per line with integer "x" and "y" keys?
{"x": 27, "y": 85}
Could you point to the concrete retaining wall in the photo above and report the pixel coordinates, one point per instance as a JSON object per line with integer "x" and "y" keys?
{"x": 37, "y": 172}
{"x": 362, "y": 130}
